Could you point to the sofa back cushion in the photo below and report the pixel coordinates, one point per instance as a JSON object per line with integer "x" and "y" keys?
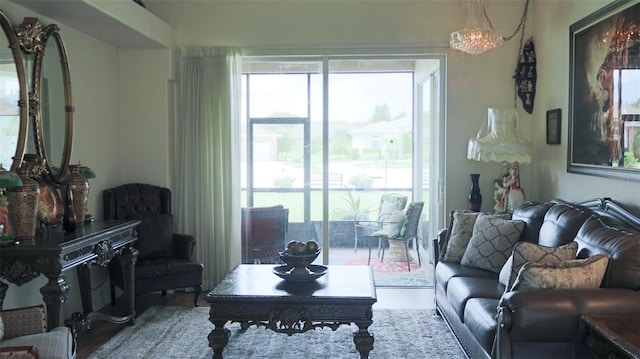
{"x": 603, "y": 235}
{"x": 532, "y": 214}
{"x": 561, "y": 224}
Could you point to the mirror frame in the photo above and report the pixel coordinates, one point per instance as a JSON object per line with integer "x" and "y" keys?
{"x": 23, "y": 96}
{"x": 33, "y": 39}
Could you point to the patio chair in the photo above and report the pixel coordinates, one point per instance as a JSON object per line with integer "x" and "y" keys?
{"x": 365, "y": 226}
{"x": 406, "y": 234}
{"x": 263, "y": 233}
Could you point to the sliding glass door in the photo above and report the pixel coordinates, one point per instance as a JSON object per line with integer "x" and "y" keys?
{"x": 327, "y": 137}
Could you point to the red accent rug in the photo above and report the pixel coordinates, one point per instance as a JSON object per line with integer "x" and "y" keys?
{"x": 386, "y": 266}
{"x": 395, "y": 274}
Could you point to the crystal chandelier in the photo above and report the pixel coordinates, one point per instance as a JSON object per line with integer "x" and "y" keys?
{"x": 478, "y": 36}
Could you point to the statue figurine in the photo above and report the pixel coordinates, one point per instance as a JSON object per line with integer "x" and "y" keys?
{"x": 499, "y": 195}
{"x": 514, "y": 196}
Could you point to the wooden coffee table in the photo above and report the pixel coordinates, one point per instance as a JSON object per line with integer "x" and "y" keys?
{"x": 253, "y": 295}
{"x": 613, "y": 335}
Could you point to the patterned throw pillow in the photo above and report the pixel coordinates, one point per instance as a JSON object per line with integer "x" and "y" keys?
{"x": 491, "y": 243}
{"x": 524, "y": 252}
{"x": 461, "y": 229}
{"x": 392, "y": 227}
{"x": 578, "y": 273}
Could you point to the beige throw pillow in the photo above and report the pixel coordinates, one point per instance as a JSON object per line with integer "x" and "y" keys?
{"x": 524, "y": 252}
{"x": 573, "y": 274}
{"x": 392, "y": 227}
{"x": 461, "y": 231}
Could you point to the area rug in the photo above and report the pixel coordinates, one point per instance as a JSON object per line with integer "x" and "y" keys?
{"x": 179, "y": 332}
{"x": 395, "y": 274}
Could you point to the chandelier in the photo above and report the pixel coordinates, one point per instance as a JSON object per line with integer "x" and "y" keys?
{"x": 479, "y": 35}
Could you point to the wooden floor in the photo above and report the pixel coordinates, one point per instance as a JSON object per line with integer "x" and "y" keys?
{"x": 101, "y": 332}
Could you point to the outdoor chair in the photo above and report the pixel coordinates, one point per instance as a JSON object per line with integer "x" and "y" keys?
{"x": 365, "y": 226}
{"x": 405, "y": 230}
{"x": 263, "y": 233}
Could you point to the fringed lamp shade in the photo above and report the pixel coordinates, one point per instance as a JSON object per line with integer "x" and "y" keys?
{"x": 501, "y": 142}
{"x": 87, "y": 172}
{"x": 9, "y": 179}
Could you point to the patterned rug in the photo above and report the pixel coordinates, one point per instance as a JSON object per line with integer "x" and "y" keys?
{"x": 396, "y": 274}
{"x": 178, "y": 332}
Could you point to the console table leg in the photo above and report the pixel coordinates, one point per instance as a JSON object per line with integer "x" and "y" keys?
{"x": 128, "y": 260}
{"x": 54, "y": 293}
{"x": 363, "y": 340}
{"x": 218, "y": 338}
{"x": 84, "y": 281}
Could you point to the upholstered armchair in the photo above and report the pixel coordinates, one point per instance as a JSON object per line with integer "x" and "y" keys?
{"x": 165, "y": 259}
{"x": 25, "y": 336}
{"x": 263, "y": 233}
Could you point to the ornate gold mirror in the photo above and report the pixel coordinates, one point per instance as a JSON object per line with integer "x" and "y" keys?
{"x": 50, "y": 100}
{"x": 13, "y": 99}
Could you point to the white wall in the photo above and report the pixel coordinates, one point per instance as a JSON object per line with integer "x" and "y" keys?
{"x": 552, "y": 42}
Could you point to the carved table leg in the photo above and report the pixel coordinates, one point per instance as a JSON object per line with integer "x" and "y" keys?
{"x": 84, "y": 281}
{"x": 218, "y": 338}
{"x": 54, "y": 293}
{"x": 128, "y": 260}
{"x": 363, "y": 339}
{"x": 3, "y": 292}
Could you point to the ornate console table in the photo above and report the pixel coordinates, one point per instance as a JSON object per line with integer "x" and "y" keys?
{"x": 53, "y": 252}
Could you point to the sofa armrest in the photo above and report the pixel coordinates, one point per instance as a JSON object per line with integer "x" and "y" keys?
{"x": 438, "y": 243}
{"x": 20, "y": 352}
{"x": 184, "y": 246}
{"x": 24, "y": 321}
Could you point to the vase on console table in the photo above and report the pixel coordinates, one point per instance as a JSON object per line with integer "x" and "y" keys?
{"x": 23, "y": 205}
{"x": 475, "y": 197}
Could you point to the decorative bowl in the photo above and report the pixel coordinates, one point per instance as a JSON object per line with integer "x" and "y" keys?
{"x": 299, "y": 262}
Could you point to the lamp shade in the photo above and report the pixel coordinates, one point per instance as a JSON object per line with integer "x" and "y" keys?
{"x": 501, "y": 142}
{"x": 9, "y": 179}
{"x": 87, "y": 172}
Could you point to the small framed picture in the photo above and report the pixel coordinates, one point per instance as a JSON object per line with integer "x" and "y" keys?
{"x": 553, "y": 126}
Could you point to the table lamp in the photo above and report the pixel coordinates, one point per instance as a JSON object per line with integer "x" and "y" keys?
{"x": 499, "y": 141}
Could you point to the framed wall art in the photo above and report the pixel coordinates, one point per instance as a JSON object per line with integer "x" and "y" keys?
{"x": 553, "y": 126}
{"x": 604, "y": 96}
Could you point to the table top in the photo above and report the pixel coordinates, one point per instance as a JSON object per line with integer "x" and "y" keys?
{"x": 620, "y": 330}
{"x": 258, "y": 281}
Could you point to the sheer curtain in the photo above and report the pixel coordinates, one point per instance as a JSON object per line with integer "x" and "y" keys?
{"x": 207, "y": 178}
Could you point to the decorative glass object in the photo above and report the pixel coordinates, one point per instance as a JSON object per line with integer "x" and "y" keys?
{"x": 477, "y": 36}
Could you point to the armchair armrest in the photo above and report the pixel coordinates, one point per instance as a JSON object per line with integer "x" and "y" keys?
{"x": 24, "y": 321}
{"x": 20, "y": 352}
{"x": 184, "y": 246}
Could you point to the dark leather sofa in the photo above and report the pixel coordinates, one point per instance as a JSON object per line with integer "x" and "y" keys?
{"x": 489, "y": 322}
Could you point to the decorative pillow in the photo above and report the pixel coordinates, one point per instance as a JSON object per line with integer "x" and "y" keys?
{"x": 524, "y": 252}
{"x": 461, "y": 229}
{"x": 491, "y": 243}
{"x": 573, "y": 274}
{"x": 393, "y": 226}
{"x": 155, "y": 235}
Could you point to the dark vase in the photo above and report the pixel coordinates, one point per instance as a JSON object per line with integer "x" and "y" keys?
{"x": 69, "y": 222}
{"x": 475, "y": 198}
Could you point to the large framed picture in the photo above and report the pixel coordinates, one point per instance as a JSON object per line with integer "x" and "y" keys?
{"x": 604, "y": 93}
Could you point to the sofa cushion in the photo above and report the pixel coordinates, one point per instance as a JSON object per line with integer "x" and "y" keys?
{"x": 573, "y": 274}
{"x": 461, "y": 289}
{"x": 561, "y": 224}
{"x": 480, "y": 318}
{"x": 524, "y": 252}
{"x": 602, "y": 235}
{"x": 155, "y": 235}
{"x": 533, "y": 216}
{"x": 491, "y": 243}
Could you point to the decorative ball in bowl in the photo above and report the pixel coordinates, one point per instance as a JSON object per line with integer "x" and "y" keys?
{"x": 299, "y": 255}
